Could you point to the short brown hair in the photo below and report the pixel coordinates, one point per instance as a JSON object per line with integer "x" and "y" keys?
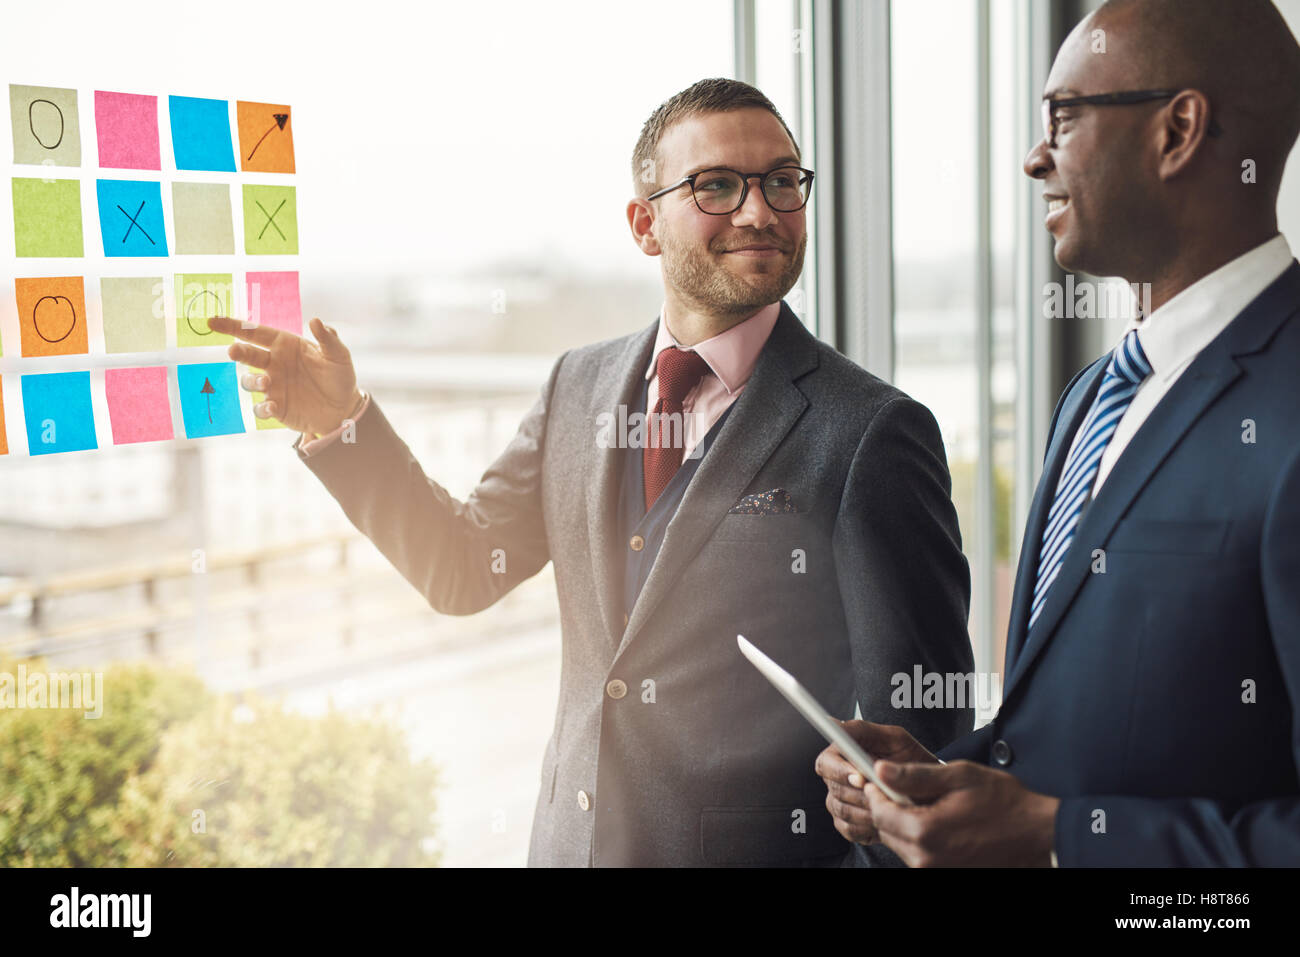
{"x": 715, "y": 95}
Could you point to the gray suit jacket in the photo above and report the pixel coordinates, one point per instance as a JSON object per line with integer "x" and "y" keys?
{"x": 714, "y": 767}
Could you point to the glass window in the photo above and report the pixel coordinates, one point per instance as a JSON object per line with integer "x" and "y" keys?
{"x": 939, "y": 245}
{"x": 462, "y": 177}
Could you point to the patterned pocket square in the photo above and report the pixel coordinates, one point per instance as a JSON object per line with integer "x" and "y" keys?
{"x": 775, "y": 502}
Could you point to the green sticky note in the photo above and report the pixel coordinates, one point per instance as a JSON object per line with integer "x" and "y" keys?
{"x": 46, "y": 128}
{"x": 134, "y": 320}
{"x": 270, "y": 220}
{"x": 203, "y": 219}
{"x": 47, "y": 217}
{"x": 199, "y": 297}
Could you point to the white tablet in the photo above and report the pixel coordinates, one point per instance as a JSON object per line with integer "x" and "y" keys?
{"x": 818, "y": 717}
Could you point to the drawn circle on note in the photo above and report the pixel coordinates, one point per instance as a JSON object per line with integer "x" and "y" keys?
{"x": 189, "y": 312}
{"x": 55, "y": 316}
{"x": 45, "y": 120}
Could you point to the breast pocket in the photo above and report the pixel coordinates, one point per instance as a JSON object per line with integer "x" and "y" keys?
{"x": 784, "y": 527}
{"x": 1169, "y": 537}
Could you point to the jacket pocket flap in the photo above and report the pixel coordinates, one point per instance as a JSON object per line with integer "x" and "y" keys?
{"x": 768, "y": 835}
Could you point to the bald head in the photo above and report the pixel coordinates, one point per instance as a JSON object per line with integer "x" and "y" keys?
{"x": 1240, "y": 54}
{"x": 1167, "y": 189}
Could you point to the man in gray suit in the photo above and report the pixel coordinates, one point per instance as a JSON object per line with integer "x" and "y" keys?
{"x": 767, "y": 486}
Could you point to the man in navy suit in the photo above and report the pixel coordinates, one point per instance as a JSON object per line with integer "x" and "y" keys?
{"x": 1153, "y": 659}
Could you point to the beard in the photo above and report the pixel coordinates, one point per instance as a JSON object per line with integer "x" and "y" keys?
{"x": 699, "y": 278}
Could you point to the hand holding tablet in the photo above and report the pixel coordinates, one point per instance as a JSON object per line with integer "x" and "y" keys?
{"x": 819, "y": 718}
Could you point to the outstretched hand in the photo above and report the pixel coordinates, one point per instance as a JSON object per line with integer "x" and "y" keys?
{"x": 309, "y": 386}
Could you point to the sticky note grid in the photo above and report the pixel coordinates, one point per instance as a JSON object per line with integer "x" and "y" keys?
{"x": 136, "y": 218}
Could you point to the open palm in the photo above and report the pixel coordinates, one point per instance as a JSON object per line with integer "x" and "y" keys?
{"x": 310, "y": 386}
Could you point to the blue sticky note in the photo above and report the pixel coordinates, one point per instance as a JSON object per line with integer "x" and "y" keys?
{"x": 131, "y": 217}
{"x": 57, "y": 409}
{"x": 209, "y": 399}
{"x": 201, "y": 133}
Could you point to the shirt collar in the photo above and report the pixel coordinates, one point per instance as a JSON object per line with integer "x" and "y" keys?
{"x": 1175, "y": 333}
{"x": 730, "y": 355}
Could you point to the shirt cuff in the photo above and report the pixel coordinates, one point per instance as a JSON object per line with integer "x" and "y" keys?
{"x": 311, "y": 445}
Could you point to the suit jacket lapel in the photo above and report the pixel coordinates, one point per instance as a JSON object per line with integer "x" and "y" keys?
{"x": 1209, "y": 375}
{"x": 618, "y": 384}
{"x": 1068, "y": 421}
{"x": 764, "y": 413}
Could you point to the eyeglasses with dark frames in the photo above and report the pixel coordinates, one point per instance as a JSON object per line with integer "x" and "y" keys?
{"x": 1123, "y": 98}
{"x": 721, "y": 191}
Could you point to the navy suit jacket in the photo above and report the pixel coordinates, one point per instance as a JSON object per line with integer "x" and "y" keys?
{"x": 1157, "y": 693}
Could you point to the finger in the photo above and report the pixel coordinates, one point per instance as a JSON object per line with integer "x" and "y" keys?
{"x": 831, "y": 766}
{"x": 878, "y": 739}
{"x": 847, "y": 794}
{"x": 858, "y": 819}
{"x": 855, "y": 834}
{"x": 851, "y": 834}
{"x": 255, "y": 382}
{"x": 924, "y": 782}
{"x": 852, "y": 822}
{"x": 330, "y": 343}
{"x": 249, "y": 355}
{"x": 262, "y": 335}
{"x": 266, "y": 410}
{"x": 892, "y": 820}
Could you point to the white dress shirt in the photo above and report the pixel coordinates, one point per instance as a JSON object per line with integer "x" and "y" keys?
{"x": 1173, "y": 335}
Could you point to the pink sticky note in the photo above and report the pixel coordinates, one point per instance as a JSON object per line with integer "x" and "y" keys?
{"x": 126, "y": 125}
{"x": 273, "y": 300}
{"x": 137, "y": 404}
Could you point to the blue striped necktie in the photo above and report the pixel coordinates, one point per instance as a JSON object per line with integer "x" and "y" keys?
{"x": 1127, "y": 369}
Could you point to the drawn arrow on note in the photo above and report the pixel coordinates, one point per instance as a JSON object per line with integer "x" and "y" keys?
{"x": 208, "y": 390}
{"x": 280, "y": 120}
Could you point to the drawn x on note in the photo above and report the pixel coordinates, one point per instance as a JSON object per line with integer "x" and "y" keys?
{"x": 135, "y": 224}
{"x": 270, "y": 218}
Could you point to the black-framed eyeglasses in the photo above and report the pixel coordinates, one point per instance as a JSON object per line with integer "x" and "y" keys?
{"x": 721, "y": 191}
{"x": 1123, "y": 98}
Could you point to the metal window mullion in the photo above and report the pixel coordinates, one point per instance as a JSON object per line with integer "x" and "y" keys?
{"x": 821, "y": 270}
{"x": 744, "y": 41}
{"x": 1035, "y": 266}
{"x": 855, "y": 214}
{"x": 985, "y": 548}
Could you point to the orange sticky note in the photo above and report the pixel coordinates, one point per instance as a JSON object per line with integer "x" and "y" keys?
{"x": 265, "y": 137}
{"x": 52, "y": 316}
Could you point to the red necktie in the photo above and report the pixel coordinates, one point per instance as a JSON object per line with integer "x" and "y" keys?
{"x": 678, "y": 372}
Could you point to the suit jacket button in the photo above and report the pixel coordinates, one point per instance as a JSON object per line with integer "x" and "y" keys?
{"x": 625, "y": 621}
{"x": 1002, "y": 752}
{"x": 637, "y": 543}
{"x": 616, "y": 689}
{"x": 584, "y": 802}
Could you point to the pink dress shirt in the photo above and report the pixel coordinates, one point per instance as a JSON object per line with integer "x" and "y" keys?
{"x": 731, "y": 357}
